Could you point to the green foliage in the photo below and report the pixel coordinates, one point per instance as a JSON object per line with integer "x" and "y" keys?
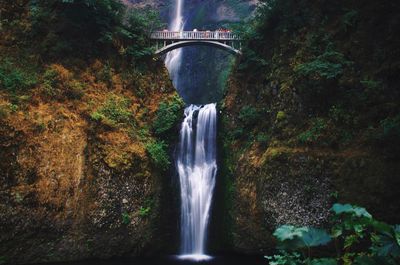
{"x": 76, "y": 27}
{"x": 158, "y": 153}
{"x": 289, "y": 232}
{"x": 340, "y": 115}
{"x": 7, "y": 109}
{"x": 291, "y": 237}
{"x": 371, "y": 84}
{"x": 388, "y": 136}
{"x": 168, "y": 116}
{"x": 75, "y": 90}
{"x": 318, "y": 126}
{"x": 352, "y": 210}
{"x": 51, "y": 82}
{"x": 126, "y": 218}
{"x": 57, "y": 82}
{"x": 328, "y": 65}
{"x": 359, "y": 239}
{"x": 285, "y": 258}
{"x": 87, "y": 28}
{"x": 263, "y": 138}
{"x": 236, "y": 133}
{"x": 144, "y": 211}
{"x": 13, "y": 78}
{"x": 3, "y": 260}
{"x": 349, "y": 19}
{"x": 114, "y": 112}
{"x": 388, "y": 242}
{"x": 324, "y": 261}
{"x": 249, "y": 115}
{"x": 140, "y": 24}
{"x": 391, "y": 127}
{"x": 105, "y": 74}
{"x": 281, "y": 116}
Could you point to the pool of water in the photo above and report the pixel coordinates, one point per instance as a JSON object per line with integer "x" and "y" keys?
{"x": 175, "y": 260}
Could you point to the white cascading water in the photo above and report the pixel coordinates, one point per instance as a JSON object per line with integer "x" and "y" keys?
{"x": 173, "y": 58}
{"x": 196, "y": 160}
{"x": 197, "y": 168}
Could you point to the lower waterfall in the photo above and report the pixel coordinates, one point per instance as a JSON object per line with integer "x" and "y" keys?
{"x": 197, "y": 168}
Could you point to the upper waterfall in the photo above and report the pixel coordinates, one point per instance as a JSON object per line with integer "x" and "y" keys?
{"x": 173, "y": 58}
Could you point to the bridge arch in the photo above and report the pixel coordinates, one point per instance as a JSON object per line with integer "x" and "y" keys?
{"x": 185, "y": 43}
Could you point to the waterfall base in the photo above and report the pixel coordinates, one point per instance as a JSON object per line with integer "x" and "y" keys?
{"x": 195, "y": 257}
{"x": 233, "y": 259}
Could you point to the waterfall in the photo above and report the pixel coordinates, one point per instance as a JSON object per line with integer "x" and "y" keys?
{"x": 196, "y": 160}
{"x": 173, "y": 58}
{"x": 197, "y": 167}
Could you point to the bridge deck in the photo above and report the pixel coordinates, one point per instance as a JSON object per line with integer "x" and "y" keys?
{"x": 195, "y": 35}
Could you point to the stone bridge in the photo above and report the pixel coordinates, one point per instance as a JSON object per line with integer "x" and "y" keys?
{"x": 167, "y": 41}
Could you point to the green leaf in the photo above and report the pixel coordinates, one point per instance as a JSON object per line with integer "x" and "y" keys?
{"x": 350, "y": 209}
{"x": 324, "y": 261}
{"x": 386, "y": 244}
{"x": 285, "y": 258}
{"x": 292, "y": 237}
{"x": 288, "y": 232}
{"x": 337, "y": 231}
{"x": 350, "y": 240}
{"x": 315, "y": 237}
{"x": 397, "y": 233}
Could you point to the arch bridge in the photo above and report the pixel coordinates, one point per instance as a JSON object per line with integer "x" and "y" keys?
{"x": 167, "y": 41}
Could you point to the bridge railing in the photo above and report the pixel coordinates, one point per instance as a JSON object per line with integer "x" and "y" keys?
{"x": 194, "y": 35}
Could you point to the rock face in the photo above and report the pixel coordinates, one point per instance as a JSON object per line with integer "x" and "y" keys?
{"x": 75, "y": 188}
{"x": 296, "y": 142}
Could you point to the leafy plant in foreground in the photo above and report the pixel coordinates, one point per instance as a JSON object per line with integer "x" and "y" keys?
{"x": 358, "y": 239}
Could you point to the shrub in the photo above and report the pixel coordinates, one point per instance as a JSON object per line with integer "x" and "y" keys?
{"x": 236, "y": 133}
{"x": 318, "y": 126}
{"x": 391, "y": 127}
{"x": 144, "y": 211}
{"x": 280, "y": 116}
{"x": 328, "y": 65}
{"x": 126, "y": 218}
{"x": 58, "y": 82}
{"x": 167, "y": 116}
{"x": 114, "y": 112}
{"x": 13, "y": 78}
{"x": 340, "y": 115}
{"x": 158, "y": 153}
{"x": 349, "y": 19}
{"x": 7, "y": 109}
{"x": 249, "y": 115}
{"x": 389, "y": 137}
{"x": 76, "y": 90}
{"x": 105, "y": 74}
{"x": 263, "y": 138}
{"x": 359, "y": 239}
